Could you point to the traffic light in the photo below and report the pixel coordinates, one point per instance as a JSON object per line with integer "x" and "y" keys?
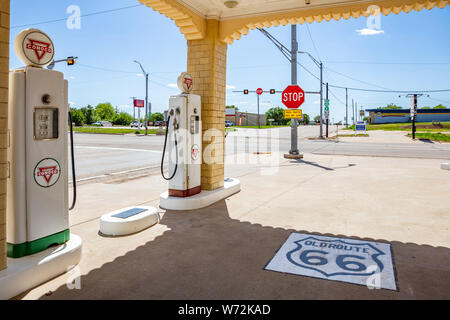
{"x": 70, "y": 61}
{"x": 272, "y": 91}
{"x": 245, "y": 91}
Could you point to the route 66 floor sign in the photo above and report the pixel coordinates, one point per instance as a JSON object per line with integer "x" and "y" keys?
{"x": 347, "y": 260}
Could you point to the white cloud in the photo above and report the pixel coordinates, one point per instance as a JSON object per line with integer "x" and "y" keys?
{"x": 317, "y": 102}
{"x": 72, "y": 103}
{"x": 230, "y": 87}
{"x": 369, "y": 32}
{"x": 172, "y": 85}
{"x": 71, "y": 77}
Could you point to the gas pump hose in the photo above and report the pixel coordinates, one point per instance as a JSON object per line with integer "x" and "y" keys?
{"x": 164, "y": 152}
{"x": 74, "y": 180}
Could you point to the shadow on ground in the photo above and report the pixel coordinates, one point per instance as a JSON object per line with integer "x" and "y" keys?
{"x": 208, "y": 255}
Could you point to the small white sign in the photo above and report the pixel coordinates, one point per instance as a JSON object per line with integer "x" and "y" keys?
{"x": 34, "y": 48}
{"x": 347, "y": 260}
{"x": 185, "y": 82}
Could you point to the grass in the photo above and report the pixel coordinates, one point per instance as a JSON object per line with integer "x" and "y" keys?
{"x": 110, "y": 130}
{"x": 352, "y": 135}
{"x": 432, "y": 136}
{"x": 256, "y": 127}
{"x": 398, "y": 127}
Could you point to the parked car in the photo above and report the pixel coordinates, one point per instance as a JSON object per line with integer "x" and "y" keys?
{"x": 159, "y": 123}
{"x": 102, "y": 124}
{"x": 134, "y": 124}
{"x": 229, "y": 123}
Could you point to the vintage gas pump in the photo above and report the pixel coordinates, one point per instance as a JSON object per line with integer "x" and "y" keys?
{"x": 184, "y": 129}
{"x": 37, "y": 211}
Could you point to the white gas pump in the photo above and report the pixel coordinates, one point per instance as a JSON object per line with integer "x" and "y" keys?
{"x": 184, "y": 129}
{"x": 37, "y": 211}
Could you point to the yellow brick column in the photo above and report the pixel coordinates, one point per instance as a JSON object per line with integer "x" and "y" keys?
{"x": 4, "y": 69}
{"x": 206, "y": 62}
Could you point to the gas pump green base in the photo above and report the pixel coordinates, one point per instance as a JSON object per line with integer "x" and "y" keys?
{"x": 29, "y": 248}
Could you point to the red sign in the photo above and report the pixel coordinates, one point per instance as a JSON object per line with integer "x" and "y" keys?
{"x": 47, "y": 173}
{"x": 293, "y": 96}
{"x": 139, "y": 103}
{"x": 259, "y": 91}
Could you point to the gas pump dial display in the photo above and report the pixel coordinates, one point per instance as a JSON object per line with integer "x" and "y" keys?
{"x": 45, "y": 123}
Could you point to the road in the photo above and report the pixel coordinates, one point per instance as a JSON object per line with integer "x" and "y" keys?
{"x": 99, "y": 154}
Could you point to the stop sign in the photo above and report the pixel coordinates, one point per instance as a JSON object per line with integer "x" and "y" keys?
{"x": 259, "y": 91}
{"x": 293, "y": 96}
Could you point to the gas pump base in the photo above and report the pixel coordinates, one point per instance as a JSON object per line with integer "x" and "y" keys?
{"x": 202, "y": 199}
{"x": 128, "y": 221}
{"x": 28, "y": 272}
{"x": 445, "y": 166}
{"x": 293, "y": 156}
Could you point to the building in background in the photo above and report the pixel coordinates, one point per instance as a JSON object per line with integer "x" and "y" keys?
{"x": 245, "y": 118}
{"x": 403, "y": 115}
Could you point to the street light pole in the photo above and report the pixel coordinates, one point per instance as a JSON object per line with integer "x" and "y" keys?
{"x": 146, "y": 96}
{"x": 346, "y": 107}
{"x": 321, "y": 101}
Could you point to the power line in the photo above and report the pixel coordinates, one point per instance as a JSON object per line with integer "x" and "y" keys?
{"x": 357, "y": 80}
{"x": 82, "y": 16}
{"x": 314, "y": 45}
{"x": 377, "y": 62}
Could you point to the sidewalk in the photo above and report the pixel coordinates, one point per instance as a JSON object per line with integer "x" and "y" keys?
{"x": 219, "y": 252}
{"x": 381, "y": 136}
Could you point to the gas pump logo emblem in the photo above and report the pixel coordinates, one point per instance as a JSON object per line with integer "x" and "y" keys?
{"x": 47, "y": 172}
{"x": 188, "y": 83}
{"x": 34, "y": 48}
{"x": 195, "y": 152}
{"x": 39, "y": 47}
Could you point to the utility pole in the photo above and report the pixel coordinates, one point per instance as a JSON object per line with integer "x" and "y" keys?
{"x": 326, "y": 134}
{"x": 134, "y": 109}
{"x": 321, "y": 101}
{"x": 146, "y": 96}
{"x": 353, "y": 112}
{"x": 294, "y": 49}
{"x": 346, "y": 107}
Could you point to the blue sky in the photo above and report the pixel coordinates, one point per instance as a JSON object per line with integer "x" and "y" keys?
{"x": 411, "y": 53}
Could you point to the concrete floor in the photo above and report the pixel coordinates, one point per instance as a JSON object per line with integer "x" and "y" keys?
{"x": 219, "y": 252}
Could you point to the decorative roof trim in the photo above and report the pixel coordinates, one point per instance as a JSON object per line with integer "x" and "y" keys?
{"x": 191, "y": 24}
{"x": 234, "y": 29}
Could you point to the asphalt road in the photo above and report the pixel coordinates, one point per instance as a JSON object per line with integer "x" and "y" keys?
{"x": 99, "y": 154}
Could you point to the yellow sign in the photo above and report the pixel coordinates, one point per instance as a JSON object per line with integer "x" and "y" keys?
{"x": 293, "y": 114}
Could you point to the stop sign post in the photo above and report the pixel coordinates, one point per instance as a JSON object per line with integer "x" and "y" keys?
{"x": 293, "y": 96}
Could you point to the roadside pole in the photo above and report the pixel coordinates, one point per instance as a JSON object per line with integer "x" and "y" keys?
{"x": 346, "y": 107}
{"x": 327, "y": 115}
{"x": 146, "y": 103}
{"x": 353, "y": 111}
{"x": 321, "y": 101}
{"x": 294, "y": 49}
{"x": 413, "y": 114}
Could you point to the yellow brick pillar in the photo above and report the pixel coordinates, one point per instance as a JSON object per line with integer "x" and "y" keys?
{"x": 206, "y": 62}
{"x": 4, "y": 70}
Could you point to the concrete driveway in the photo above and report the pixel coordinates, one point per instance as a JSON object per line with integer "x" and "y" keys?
{"x": 219, "y": 252}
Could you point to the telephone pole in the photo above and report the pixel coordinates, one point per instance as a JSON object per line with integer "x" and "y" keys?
{"x": 346, "y": 107}
{"x": 326, "y": 132}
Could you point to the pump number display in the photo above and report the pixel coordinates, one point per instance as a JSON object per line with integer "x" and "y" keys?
{"x": 47, "y": 172}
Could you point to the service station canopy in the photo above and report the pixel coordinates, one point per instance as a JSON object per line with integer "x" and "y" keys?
{"x": 237, "y": 17}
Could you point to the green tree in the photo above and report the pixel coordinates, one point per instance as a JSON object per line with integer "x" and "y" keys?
{"x": 277, "y": 114}
{"x": 317, "y": 119}
{"x": 90, "y": 114}
{"x": 306, "y": 118}
{"x": 122, "y": 119}
{"x": 78, "y": 117}
{"x": 156, "y": 116}
{"x": 425, "y": 108}
{"x": 440, "y": 106}
{"x": 233, "y": 106}
{"x": 390, "y": 106}
{"x": 105, "y": 111}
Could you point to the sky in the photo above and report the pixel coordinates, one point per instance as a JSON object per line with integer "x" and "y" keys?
{"x": 403, "y": 52}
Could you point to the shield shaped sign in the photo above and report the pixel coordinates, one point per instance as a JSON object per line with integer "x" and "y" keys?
{"x": 347, "y": 260}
